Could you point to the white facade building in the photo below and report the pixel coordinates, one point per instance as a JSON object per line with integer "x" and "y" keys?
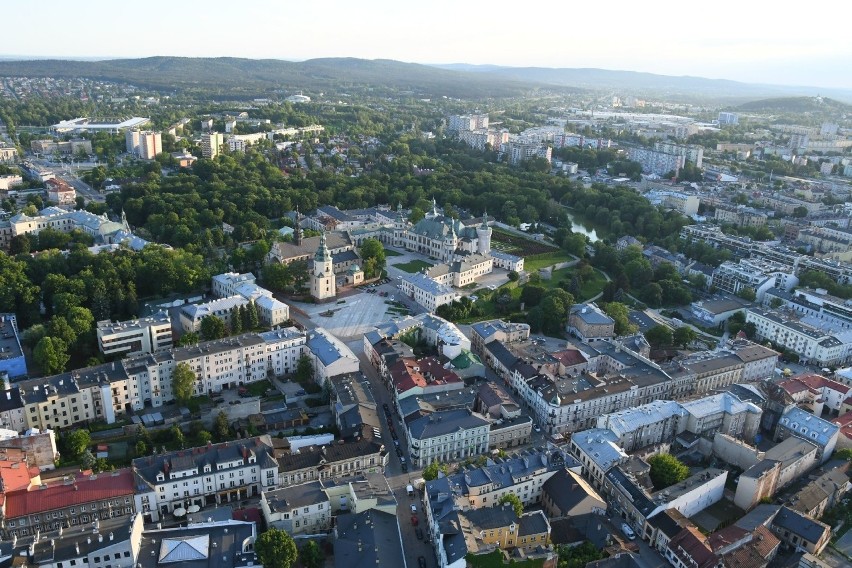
{"x": 144, "y": 335}
{"x": 427, "y": 292}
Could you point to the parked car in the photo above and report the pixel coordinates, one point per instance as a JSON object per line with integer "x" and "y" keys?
{"x": 628, "y": 532}
{"x": 537, "y": 428}
{"x": 301, "y": 392}
{"x": 404, "y": 468}
{"x": 421, "y": 562}
{"x": 419, "y": 532}
{"x": 414, "y": 520}
{"x": 414, "y": 508}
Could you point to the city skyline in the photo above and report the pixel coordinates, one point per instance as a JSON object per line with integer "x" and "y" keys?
{"x": 738, "y": 42}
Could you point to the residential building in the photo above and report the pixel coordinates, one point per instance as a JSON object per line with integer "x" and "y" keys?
{"x": 507, "y": 261}
{"x": 758, "y": 275}
{"x": 412, "y": 377}
{"x": 723, "y": 413}
{"x": 822, "y": 493}
{"x": 192, "y": 315}
{"x": 211, "y": 144}
{"x": 817, "y": 394}
{"x": 457, "y": 123}
{"x": 426, "y": 291}
{"x": 485, "y": 332}
{"x": 200, "y": 544}
{"x": 655, "y": 162}
{"x": 690, "y": 549}
{"x": 741, "y": 548}
{"x": 270, "y": 311}
{"x": 330, "y": 356}
{"x": 213, "y": 474}
{"x": 804, "y": 425}
{"x": 817, "y": 303}
{"x": 598, "y": 451}
{"x": 716, "y": 310}
{"x": 144, "y": 335}
{"x": 814, "y": 341}
{"x": 726, "y": 118}
{"x": 132, "y": 141}
{"x": 359, "y": 456}
{"x": 369, "y": 539}
{"x": 302, "y": 509}
{"x": 12, "y": 362}
{"x": 72, "y": 500}
{"x": 740, "y": 216}
{"x": 800, "y": 532}
{"x": 150, "y": 144}
{"x": 757, "y": 483}
{"x": 590, "y": 323}
{"x": 566, "y": 495}
{"x": 60, "y": 193}
{"x": 643, "y": 426}
{"x": 447, "y": 436}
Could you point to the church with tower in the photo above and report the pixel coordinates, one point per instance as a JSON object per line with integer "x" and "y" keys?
{"x": 323, "y": 284}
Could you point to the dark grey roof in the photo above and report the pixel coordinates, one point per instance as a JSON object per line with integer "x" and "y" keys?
{"x": 499, "y": 351}
{"x": 533, "y": 523}
{"x": 638, "y": 497}
{"x": 224, "y": 546}
{"x": 564, "y": 491}
{"x": 345, "y": 256}
{"x": 370, "y": 539}
{"x": 295, "y": 496}
{"x": 760, "y": 515}
{"x": 799, "y": 524}
{"x": 665, "y": 523}
{"x": 444, "y": 422}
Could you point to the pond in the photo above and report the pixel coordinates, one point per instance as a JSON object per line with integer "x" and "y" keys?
{"x": 580, "y": 226}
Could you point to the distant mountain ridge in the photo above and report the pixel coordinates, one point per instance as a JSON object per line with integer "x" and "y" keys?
{"x": 238, "y": 75}
{"x": 593, "y": 78}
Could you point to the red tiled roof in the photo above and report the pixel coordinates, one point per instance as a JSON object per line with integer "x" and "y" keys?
{"x": 690, "y": 546}
{"x": 60, "y": 495}
{"x": 725, "y": 537}
{"x": 793, "y": 386}
{"x": 16, "y": 475}
{"x": 407, "y": 373}
{"x": 820, "y": 382}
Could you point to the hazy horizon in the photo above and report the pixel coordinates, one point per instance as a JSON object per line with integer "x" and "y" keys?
{"x": 733, "y": 41}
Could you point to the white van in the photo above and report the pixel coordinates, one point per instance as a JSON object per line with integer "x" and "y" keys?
{"x": 628, "y": 532}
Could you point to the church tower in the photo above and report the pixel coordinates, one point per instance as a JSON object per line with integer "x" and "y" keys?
{"x": 297, "y": 230}
{"x": 323, "y": 285}
{"x": 434, "y": 213}
{"x": 451, "y": 242}
{"x": 483, "y": 233}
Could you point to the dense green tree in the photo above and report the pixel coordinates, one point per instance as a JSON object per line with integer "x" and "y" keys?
{"x": 373, "y": 254}
{"x": 183, "y": 383}
{"x": 212, "y": 328}
{"x": 275, "y": 549}
{"x": 531, "y": 295}
{"x": 666, "y": 470}
{"x": 221, "y": 428}
{"x": 619, "y": 313}
{"x": 514, "y": 501}
{"x": 77, "y": 441}
{"x": 304, "y": 370}
{"x": 188, "y": 338}
{"x": 51, "y": 355}
{"x": 659, "y": 336}
{"x": 236, "y": 321}
{"x": 311, "y": 556}
{"x": 683, "y": 336}
{"x": 431, "y": 471}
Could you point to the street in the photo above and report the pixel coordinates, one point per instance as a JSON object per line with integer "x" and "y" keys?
{"x": 397, "y": 480}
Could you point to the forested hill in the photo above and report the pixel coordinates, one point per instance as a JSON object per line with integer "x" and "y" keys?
{"x": 797, "y": 105}
{"x": 251, "y": 76}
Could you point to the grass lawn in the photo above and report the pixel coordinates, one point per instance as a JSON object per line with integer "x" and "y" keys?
{"x": 590, "y": 287}
{"x": 413, "y": 266}
{"x": 391, "y": 252}
{"x": 495, "y": 560}
{"x": 536, "y": 261}
{"x": 259, "y": 388}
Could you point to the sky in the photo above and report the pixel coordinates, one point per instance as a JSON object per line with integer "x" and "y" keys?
{"x": 755, "y": 42}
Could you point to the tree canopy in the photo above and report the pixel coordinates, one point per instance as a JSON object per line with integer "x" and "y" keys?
{"x": 275, "y": 549}
{"x": 666, "y": 470}
{"x": 183, "y": 383}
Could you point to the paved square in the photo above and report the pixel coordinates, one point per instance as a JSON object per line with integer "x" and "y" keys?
{"x": 354, "y": 317}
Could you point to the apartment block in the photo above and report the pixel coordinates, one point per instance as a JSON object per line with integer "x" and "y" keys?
{"x": 144, "y": 335}
{"x": 759, "y": 275}
{"x": 209, "y": 475}
{"x": 150, "y": 144}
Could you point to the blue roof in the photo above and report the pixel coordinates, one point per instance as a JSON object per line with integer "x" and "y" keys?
{"x": 805, "y": 425}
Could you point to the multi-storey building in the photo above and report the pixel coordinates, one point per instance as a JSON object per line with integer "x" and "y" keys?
{"x": 447, "y": 436}
{"x": 691, "y": 153}
{"x": 426, "y": 291}
{"x": 74, "y": 500}
{"x": 360, "y": 456}
{"x": 270, "y": 311}
{"x": 589, "y": 323}
{"x": 759, "y": 275}
{"x": 150, "y": 144}
{"x": 815, "y": 341}
{"x": 804, "y": 425}
{"x": 144, "y": 335}
{"x": 211, "y": 144}
{"x": 485, "y": 332}
{"x": 741, "y": 216}
{"x": 214, "y": 474}
{"x": 456, "y": 123}
{"x": 12, "y": 361}
{"x": 297, "y": 509}
{"x": 521, "y": 150}
{"x": 655, "y": 162}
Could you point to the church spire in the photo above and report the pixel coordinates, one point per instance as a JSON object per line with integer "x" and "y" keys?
{"x": 322, "y": 254}
{"x": 297, "y": 233}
